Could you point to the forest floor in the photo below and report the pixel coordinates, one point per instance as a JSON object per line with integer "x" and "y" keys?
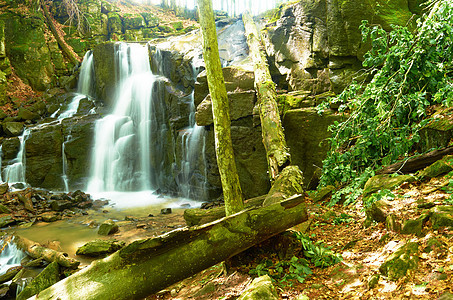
{"x": 363, "y": 251}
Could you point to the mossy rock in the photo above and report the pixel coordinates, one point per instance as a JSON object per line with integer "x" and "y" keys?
{"x": 413, "y": 227}
{"x": 404, "y": 259}
{"x": 378, "y": 211}
{"x": 439, "y": 131}
{"x": 48, "y": 277}
{"x": 385, "y": 182}
{"x": 150, "y": 19}
{"x": 133, "y": 21}
{"x": 322, "y": 193}
{"x": 100, "y": 247}
{"x": 108, "y": 227}
{"x": 6, "y": 220}
{"x": 177, "y": 26}
{"x": 166, "y": 29}
{"x": 261, "y": 288}
{"x": 442, "y": 216}
{"x": 114, "y": 23}
{"x": 438, "y": 168}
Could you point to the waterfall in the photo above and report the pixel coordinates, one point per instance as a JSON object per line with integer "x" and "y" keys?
{"x": 10, "y": 256}
{"x": 193, "y": 179}
{"x": 130, "y": 143}
{"x": 15, "y": 172}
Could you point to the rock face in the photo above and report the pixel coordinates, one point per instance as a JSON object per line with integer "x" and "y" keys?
{"x": 316, "y": 45}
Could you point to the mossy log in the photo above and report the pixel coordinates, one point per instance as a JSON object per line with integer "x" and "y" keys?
{"x": 147, "y": 266}
{"x": 35, "y": 250}
{"x": 71, "y": 55}
{"x": 199, "y": 216}
{"x": 416, "y": 163}
{"x": 278, "y": 156}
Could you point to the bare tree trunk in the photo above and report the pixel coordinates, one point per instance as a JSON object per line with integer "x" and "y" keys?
{"x": 278, "y": 156}
{"x": 147, "y": 266}
{"x": 220, "y": 109}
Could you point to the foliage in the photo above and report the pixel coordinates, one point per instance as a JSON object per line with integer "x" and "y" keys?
{"x": 385, "y": 194}
{"x": 343, "y": 218}
{"x": 449, "y": 189}
{"x": 287, "y": 271}
{"x": 410, "y": 71}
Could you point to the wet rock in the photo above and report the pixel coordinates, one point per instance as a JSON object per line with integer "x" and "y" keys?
{"x": 166, "y": 211}
{"x": 385, "y": 182}
{"x": 4, "y": 188}
{"x": 50, "y": 216}
{"x": 10, "y": 273}
{"x": 97, "y": 204}
{"x": 25, "y": 114}
{"x": 6, "y": 220}
{"x": 48, "y": 277}
{"x": 37, "y": 263}
{"x": 108, "y": 227}
{"x": 4, "y": 209}
{"x": 261, "y": 288}
{"x": 404, "y": 259}
{"x": 99, "y": 248}
{"x": 13, "y": 128}
{"x": 442, "y": 216}
{"x": 130, "y": 218}
{"x": 60, "y": 205}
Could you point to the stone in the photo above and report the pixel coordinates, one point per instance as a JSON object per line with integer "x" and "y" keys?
{"x": 6, "y": 220}
{"x": 322, "y": 193}
{"x": 241, "y": 105}
{"x": 165, "y": 211}
{"x": 373, "y": 281}
{"x": 438, "y": 168}
{"x": 60, "y": 205}
{"x": 378, "y": 211}
{"x": 9, "y": 274}
{"x": 50, "y": 217}
{"x": 133, "y": 21}
{"x": 392, "y": 224}
{"x": 442, "y": 216}
{"x": 261, "y": 288}
{"x": 438, "y": 132}
{"x": 48, "y": 277}
{"x": 385, "y": 182}
{"x": 108, "y": 227}
{"x": 306, "y": 134}
{"x": 13, "y": 128}
{"x": 4, "y": 188}
{"x": 25, "y": 114}
{"x": 4, "y": 209}
{"x": 99, "y": 248}
{"x": 413, "y": 227}
{"x": 402, "y": 260}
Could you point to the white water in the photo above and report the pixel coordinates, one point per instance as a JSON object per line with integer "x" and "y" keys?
{"x": 193, "y": 179}
{"x": 10, "y": 256}
{"x": 15, "y": 172}
{"x": 122, "y": 150}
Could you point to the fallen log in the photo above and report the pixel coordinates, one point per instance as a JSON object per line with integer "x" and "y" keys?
{"x": 147, "y": 266}
{"x": 414, "y": 164}
{"x": 35, "y": 250}
{"x": 199, "y": 216}
{"x": 278, "y": 156}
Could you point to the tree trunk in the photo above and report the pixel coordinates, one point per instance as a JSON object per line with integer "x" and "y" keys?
{"x": 220, "y": 109}
{"x": 35, "y": 250}
{"x": 277, "y": 152}
{"x": 147, "y": 266}
{"x": 416, "y": 163}
{"x": 69, "y": 53}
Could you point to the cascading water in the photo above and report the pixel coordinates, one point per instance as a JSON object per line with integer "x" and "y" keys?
{"x": 132, "y": 143}
{"x": 10, "y": 256}
{"x": 15, "y": 172}
{"x": 193, "y": 179}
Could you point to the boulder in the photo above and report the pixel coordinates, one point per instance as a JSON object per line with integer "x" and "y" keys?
{"x": 25, "y": 114}
{"x": 385, "y": 182}
{"x": 378, "y": 211}
{"x": 306, "y": 134}
{"x": 9, "y": 274}
{"x": 404, "y": 259}
{"x": 13, "y": 128}
{"x": 4, "y": 188}
{"x": 241, "y": 105}
{"x": 6, "y": 220}
{"x": 49, "y": 276}
{"x": 322, "y": 193}
{"x": 10, "y": 148}
{"x": 50, "y": 217}
{"x": 413, "y": 226}
{"x": 442, "y": 216}
{"x": 438, "y": 168}
{"x": 108, "y": 227}
{"x": 438, "y": 132}
{"x": 261, "y": 288}
{"x": 99, "y": 248}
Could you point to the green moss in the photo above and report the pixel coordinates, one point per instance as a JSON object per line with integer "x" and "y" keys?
{"x": 385, "y": 182}
{"x": 404, "y": 259}
{"x": 49, "y": 276}
{"x": 438, "y": 168}
{"x": 178, "y": 26}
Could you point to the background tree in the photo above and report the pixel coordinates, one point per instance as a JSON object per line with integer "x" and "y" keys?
{"x": 221, "y": 112}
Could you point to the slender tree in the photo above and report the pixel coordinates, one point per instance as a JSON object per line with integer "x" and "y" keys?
{"x": 220, "y": 108}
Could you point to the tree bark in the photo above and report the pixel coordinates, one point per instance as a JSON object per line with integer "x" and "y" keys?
{"x": 278, "y": 156}
{"x": 71, "y": 55}
{"x": 35, "y": 250}
{"x": 416, "y": 163}
{"x": 147, "y": 266}
{"x": 220, "y": 109}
